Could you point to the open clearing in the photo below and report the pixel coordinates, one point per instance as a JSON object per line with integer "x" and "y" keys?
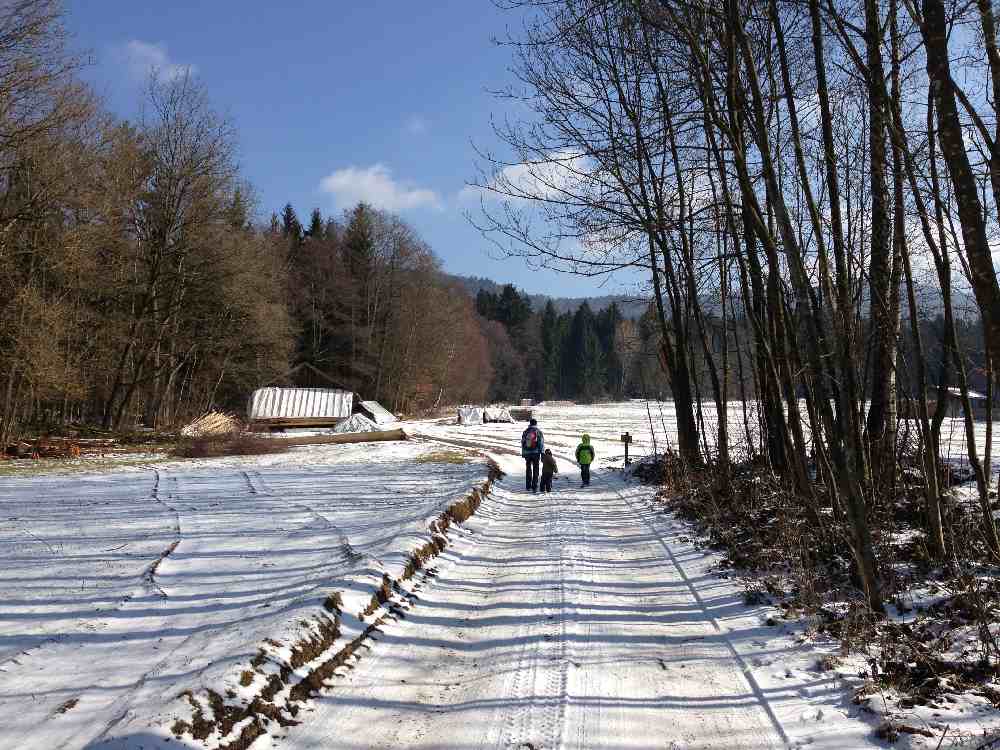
{"x": 120, "y": 591}
{"x": 586, "y": 618}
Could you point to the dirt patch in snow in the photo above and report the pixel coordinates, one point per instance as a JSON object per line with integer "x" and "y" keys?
{"x": 213, "y": 446}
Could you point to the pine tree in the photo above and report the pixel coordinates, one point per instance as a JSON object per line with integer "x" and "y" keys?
{"x": 315, "y": 231}
{"x": 567, "y": 382}
{"x": 586, "y": 358}
{"x": 291, "y": 228}
{"x": 552, "y": 346}
{"x": 359, "y": 258}
{"x": 238, "y": 215}
{"x": 330, "y": 230}
{"x": 359, "y": 243}
{"x": 486, "y": 304}
{"x": 609, "y": 321}
{"x": 513, "y": 310}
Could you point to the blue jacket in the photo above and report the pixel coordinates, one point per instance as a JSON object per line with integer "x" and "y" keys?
{"x": 539, "y": 448}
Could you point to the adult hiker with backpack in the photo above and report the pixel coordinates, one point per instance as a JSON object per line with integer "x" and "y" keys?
{"x": 585, "y": 457}
{"x": 532, "y": 447}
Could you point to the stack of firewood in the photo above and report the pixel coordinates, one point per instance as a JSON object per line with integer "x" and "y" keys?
{"x": 43, "y": 448}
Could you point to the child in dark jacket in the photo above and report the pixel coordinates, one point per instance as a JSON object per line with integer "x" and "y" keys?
{"x": 548, "y": 469}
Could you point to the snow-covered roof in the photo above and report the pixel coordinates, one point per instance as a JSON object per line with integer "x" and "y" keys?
{"x": 974, "y": 395}
{"x": 300, "y": 403}
{"x": 378, "y": 413}
{"x": 470, "y": 415}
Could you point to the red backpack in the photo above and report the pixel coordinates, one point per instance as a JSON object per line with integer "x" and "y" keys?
{"x": 530, "y": 441}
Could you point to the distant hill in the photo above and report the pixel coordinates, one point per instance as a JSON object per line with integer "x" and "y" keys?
{"x": 928, "y": 300}
{"x": 630, "y": 307}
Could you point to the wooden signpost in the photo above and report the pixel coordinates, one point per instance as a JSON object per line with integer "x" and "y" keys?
{"x": 626, "y": 438}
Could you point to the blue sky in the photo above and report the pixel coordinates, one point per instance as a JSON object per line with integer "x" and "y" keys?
{"x": 334, "y": 102}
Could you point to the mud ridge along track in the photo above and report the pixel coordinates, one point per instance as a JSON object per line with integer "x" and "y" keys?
{"x": 556, "y": 621}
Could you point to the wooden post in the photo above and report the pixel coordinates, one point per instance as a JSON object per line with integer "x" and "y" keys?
{"x": 626, "y": 438}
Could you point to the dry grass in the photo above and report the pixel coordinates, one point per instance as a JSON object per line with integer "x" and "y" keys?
{"x": 444, "y": 457}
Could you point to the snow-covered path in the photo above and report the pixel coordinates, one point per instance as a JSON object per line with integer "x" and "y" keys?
{"x": 563, "y": 621}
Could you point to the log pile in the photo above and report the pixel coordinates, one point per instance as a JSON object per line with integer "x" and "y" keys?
{"x": 43, "y": 448}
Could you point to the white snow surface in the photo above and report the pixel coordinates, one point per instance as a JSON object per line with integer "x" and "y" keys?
{"x": 97, "y": 640}
{"x": 470, "y": 415}
{"x": 380, "y": 413}
{"x": 356, "y": 423}
{"x": 497, "y": 414}
{"x": 587, "y": 618}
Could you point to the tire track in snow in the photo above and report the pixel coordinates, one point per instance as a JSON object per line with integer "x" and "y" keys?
{"x": 120, "y": 709}
{"x": 723, "y": 632}
{"x": 513, "y": 716}
{"x": 149, "y": 575}
{"x": 93, "y": 623}
{"x": 542, "y": 718}
{"x": 258, "y": 486}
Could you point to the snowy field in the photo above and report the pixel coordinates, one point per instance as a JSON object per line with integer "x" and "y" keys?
{"x": 121, "y": 590}
{"x": 654, "y": 425}
{"x": 583, "y": 619}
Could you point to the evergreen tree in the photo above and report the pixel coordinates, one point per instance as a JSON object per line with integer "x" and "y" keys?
{"x": 609, "y": 321}
{"x": 238, "y": 215}
{"x": 359, "y": 243}
{"x": 552, "y": 346}
{"x": 586, "y": 356}
{"x": 330, "y": 230}
{"x": 315, "y": 231}
{"x": 486, "y": 304}
{"x": 567, "y": 383}
{"x": 359, "y": 258}
{"x": 513, "y": 310}
{"x": 291, "y": 228}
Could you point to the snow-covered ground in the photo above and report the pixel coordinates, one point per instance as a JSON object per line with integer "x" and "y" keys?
{"x": 581, "y": 619}
{"x": 120, "y": 591}
{"x": 653, "y": 424}
{"x": 587, "y": 618}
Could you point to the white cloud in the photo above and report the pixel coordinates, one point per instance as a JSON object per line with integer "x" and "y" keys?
{"x": 145, "y": 59}
{"x": 376, "y": 186}
{"x": 548, "y": 178}
{"x": 416, "y": 125}
{"x": 472, "y": 194}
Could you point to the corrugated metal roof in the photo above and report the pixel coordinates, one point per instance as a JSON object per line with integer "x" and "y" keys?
{"x": 300, "y": 403}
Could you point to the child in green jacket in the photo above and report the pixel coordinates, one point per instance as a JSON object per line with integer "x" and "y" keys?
{"x": 585, "y": 457}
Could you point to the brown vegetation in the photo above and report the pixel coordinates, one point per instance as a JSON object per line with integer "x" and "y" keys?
{"x": 138, "y": 287}
{"x": 241, "y": 444}
{"x": 790, "y": 562}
